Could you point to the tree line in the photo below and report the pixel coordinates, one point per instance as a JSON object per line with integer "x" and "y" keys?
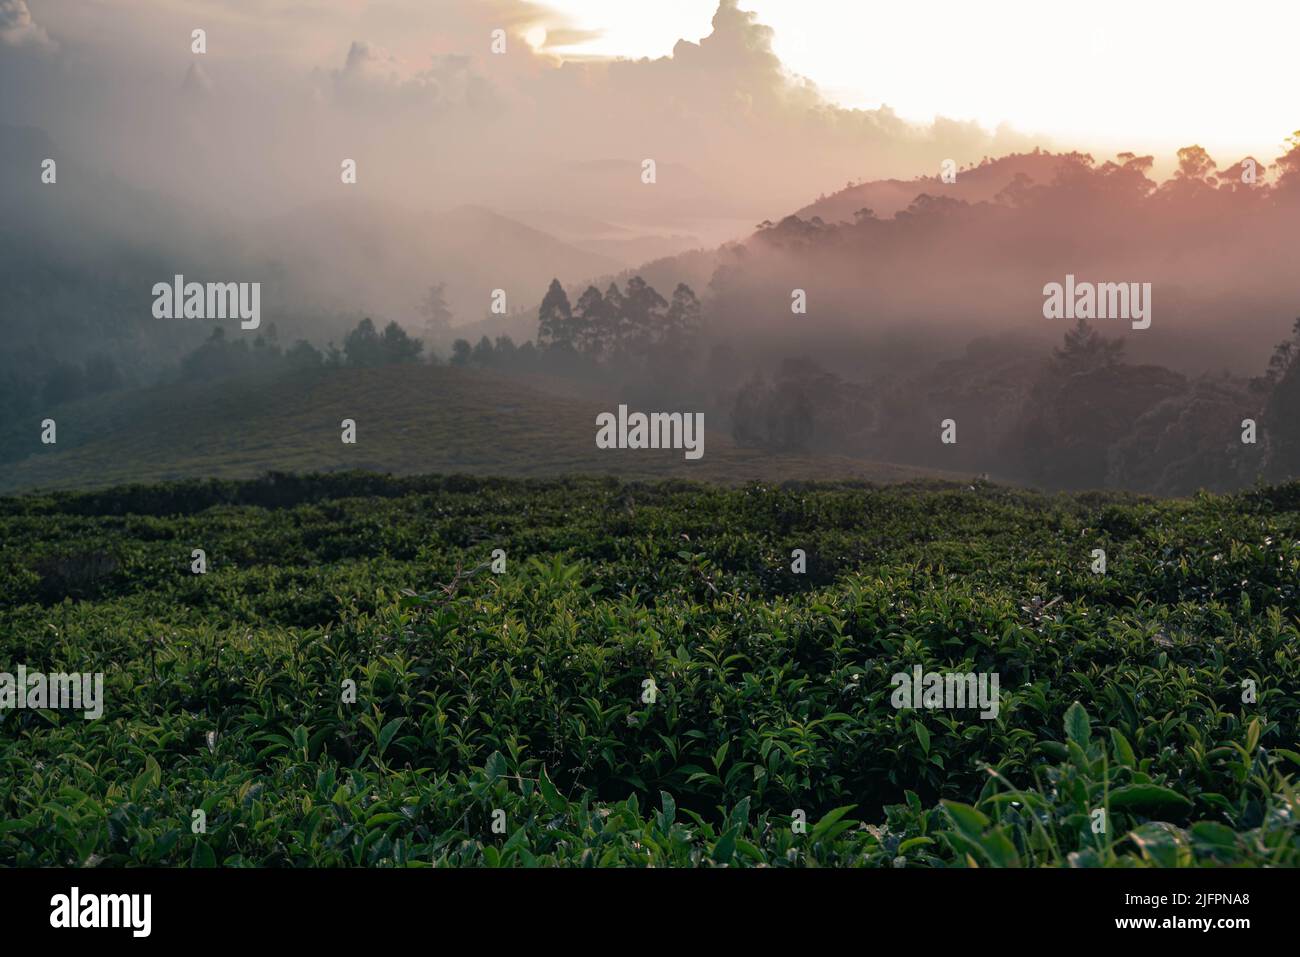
{"x": 617, "y": 325}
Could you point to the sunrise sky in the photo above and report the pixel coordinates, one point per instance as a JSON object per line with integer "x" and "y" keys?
{"x": 716, "y": 91}
{"x": 1105, "y": 72}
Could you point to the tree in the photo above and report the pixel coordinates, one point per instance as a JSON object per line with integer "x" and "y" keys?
{"x": 683, "y": 320}
{"x": 593, "y": 326}
{"x": 1283, "y": 356}
{"x": 505, "y": 350}
{"x": 361, "y": 346}
{"x": 303, "y": 355}
{"x": 555, "y": 318}
{"x": 1281, "y": 420}
{"x": 611, "y": 331}
{"x": 1085, "y": 350}
{"x": 437, "y": 317}
{"x": 216, "y": 357}
{"x": 1194, "y": 163}
{"x": 460, "y": 352}
{"x": 1246, "y": 174}
{"x": 1288, "y": 182}
{"x": 397, "y": 347}
{"x": 640, "y": 320}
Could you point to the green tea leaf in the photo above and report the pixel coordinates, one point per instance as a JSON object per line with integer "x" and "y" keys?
{"x": 1147, "y": 797}
{"x": 1077, "y": 726}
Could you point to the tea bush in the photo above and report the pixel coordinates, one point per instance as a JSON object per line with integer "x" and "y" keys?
{"x": 1124, "y": 735}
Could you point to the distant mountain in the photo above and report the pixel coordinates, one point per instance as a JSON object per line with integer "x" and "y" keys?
{"x": 627, "y": 245}
{"x": 696, "y": 265}
{"x": 978, "y": 184}
{"x": 381, "y": 259}
{"x": 79, "y": 257}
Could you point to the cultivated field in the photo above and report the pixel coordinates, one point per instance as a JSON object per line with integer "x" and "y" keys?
{"x": 410, "y": 419}
{"x": 647, "y": 682}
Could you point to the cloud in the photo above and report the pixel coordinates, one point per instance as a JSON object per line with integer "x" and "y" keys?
{"x": 412, "y": 92}
{"x": 18, "y": 29}
{"x": 557, "y": 38}
{"x": 372, "y": 77}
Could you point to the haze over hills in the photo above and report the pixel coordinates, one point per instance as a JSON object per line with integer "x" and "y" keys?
{"x": 629, "y": 246}
{"x": 410, "y": 419}
{"x": 322, "y": 264}
{"x": 849, "y": 324}
{"x": 973, "y": 184}
{"x": 381, "y": 259}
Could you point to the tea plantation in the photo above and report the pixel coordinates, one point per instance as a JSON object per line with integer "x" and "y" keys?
{"x": 647, "y": 682}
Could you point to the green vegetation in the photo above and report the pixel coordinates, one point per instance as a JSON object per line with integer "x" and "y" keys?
{"x": 411, "y": 419}
{"x": 523, "y": 691}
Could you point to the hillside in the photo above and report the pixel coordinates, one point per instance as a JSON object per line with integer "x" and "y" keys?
{"x": 889, "y": 196}
{"x": 410, "y": 419}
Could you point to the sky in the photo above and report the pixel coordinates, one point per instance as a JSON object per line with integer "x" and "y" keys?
{"x": 751, "y": 110}
{"x": 1155, "y": 74}
{"x": 413, "y": 90}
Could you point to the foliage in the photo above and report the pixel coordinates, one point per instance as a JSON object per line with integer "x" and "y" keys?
{"x": 364, "y": 347}
{"x": 523, "y": 691}
{"x": 637, "y": 323}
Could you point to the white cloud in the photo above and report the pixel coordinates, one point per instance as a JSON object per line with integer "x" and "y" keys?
{"x": 18, "y": 29}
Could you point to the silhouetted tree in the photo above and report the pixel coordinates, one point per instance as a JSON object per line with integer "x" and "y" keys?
{"x": 505, "y": 350}
{"x": 303, "y": 355}
{"x": 397, "y": 347}
{"x": 1194, "y": 163}
{"x": 683, "y": 320}
{"x": 361, "y": 346}
{"x": 640, "y": 319}
{"x": 555, "y": 318}
{"x": 594, "y": 325}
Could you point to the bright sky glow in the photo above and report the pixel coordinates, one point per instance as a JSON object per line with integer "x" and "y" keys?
{"x": 1153, "y": 75}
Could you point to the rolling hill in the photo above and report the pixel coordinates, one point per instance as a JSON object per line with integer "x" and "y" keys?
{"x": 410, "y": 419}
{"x": 889, "y": 196}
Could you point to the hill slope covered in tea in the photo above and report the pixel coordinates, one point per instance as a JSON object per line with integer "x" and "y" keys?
{"x": 410, "y": 419}
{"x": 525, "y": 692}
